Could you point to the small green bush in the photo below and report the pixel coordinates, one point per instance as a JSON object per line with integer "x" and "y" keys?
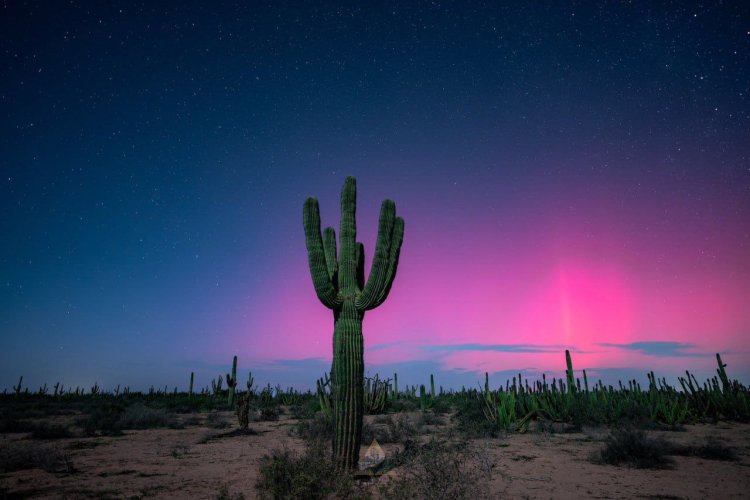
{"x": 285, "y": 475}
{"x": 472, "y": 423}
{"x": 319, "y": 428}
{"x": 439, "y": 470}
{"x": 635, "y": 449}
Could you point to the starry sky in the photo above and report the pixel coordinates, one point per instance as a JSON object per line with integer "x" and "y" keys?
{"x": 572, "y": 176}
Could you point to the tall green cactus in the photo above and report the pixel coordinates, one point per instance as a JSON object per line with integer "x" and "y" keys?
{"x": 339, "y": 281}
{"x": 232, "y": 382}
{"x": 569, "y": 372}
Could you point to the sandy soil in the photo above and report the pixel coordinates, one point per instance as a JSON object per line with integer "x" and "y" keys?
{"x": 194, "y": 463}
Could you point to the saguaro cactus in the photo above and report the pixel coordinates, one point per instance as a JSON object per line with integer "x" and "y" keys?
{"x": 232, "y": 382}
{"x": 339, "y": 281}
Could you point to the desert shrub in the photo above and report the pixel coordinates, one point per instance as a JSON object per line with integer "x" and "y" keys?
{"x": 392, "y": 430}
{"x": 472, "y": 423}
{"x": 305, "y": 409}
{"x": 102, "y": 419}
{"x": 269, "y": 413}
{"x": 24, "y": 455}
{"x": 404, "y": 405}
{"x": 441, "y": 406}
{"x": 12, "y": 423}
{"x": 635, "y": 449}
{"x": 285, "y": 475}
{"x": 224, "y": 494}
{"x": 50, "y": 431}
{"x": 216, "y": 421}
{"x": 439, "y": 470}
{"x": 712, "y": 449}
{"x": 140, "y": 416}
{"x": 428, "y": 418}
{"x": 319, "y": 428}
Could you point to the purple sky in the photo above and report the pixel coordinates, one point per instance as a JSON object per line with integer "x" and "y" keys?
{"x": 570, "y": 177}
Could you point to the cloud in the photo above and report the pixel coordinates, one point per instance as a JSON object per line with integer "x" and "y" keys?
{"x": 662, "y": 349}
{"x": 530, "y": 348}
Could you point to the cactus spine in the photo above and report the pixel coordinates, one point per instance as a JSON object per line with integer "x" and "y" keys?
{"x": 232, "y": 382}
{"x": 339, "y": 281}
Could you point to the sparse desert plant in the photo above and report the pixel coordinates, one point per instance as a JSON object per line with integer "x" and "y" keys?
{"x": 20, "y": 455}
{"x": 339, "y": 281}
{"x": 440, "y": 470}
{"x": 224, "y": 494}
{"x": 50, "y": 431}
{"x": 269, "y": 413}
{"x": 216, "y": 421}
{"x": 243, "y": 411}
{"x": 319, "y": 428}
{"x": 286, "y": 475}
{"x": 711, "y": 449}
{"x": 634, "y": 448}
{"x": 140, "y": 416}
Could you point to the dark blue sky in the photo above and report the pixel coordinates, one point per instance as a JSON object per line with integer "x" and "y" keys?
{"x": 156, "y": 156}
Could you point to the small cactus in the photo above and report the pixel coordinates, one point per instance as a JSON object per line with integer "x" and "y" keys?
{"x": 243, "y": 410}
{"x": 216, "y": 386}
{"x": 17, "y": 388}
{"x": 250, "y": 383}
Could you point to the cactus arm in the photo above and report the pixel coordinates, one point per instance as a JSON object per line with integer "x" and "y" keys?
{"x": 398, "y": 238}
{"x": 329, "y": 248}
{"x": 376, "y": 282}
{"x": 324, "y": 287}
{"x": 348, "y": 236}
{"x": 360, "y": 266}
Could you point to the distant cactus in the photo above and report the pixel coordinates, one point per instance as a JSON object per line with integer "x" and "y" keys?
{"x": 243, "y": 410}
{"x": 339, "y": 281}
{"x": 376, "y": 395}
{"x": 232, "y": 382}
{"x": 569, "y": 372}
{"x": 216, "y": 386}
{"x": 17, "y": 388}
{"x": 324, "y": 395}
{"x": 190, "y": 389}
{"x": 250, "y": 383}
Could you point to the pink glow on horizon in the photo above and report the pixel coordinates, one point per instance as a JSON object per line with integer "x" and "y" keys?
{"x": 551, "y": 280}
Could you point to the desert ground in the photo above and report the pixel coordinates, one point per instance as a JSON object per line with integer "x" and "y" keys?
{"x": 205, "y": 455}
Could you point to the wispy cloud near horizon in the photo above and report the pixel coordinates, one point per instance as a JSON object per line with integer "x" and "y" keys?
{"x": 660, "y": 348}
{"x": 526, "y": 348}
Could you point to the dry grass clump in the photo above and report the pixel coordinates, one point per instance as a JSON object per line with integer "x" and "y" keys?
{"x": 23, "y": 455}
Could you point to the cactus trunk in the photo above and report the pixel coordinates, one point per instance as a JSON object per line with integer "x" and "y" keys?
{"x": 339, "y": 282}
{"x": 348, "y": 380}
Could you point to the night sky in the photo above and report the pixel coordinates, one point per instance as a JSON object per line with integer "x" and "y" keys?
{"x": 571, "y": 176}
